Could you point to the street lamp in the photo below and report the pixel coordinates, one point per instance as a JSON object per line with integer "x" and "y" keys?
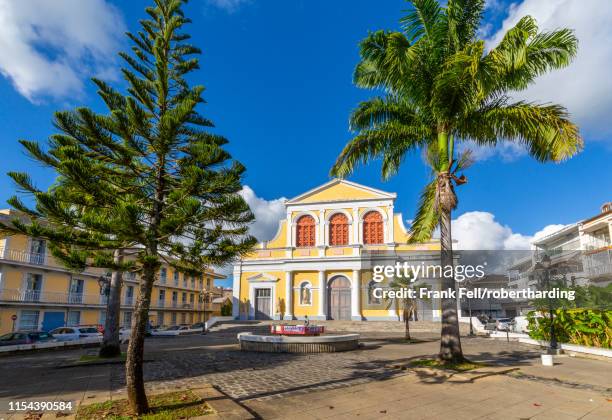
{"x": 469, "y": 302}
{"x": 104, "y": 284}
{"x": 543, "y": 266}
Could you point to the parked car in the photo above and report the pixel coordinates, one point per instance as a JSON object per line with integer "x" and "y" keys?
{"x": 124, "y": 334}
{"x": 503, "y": 324}
{"x": 25, "y": 337}
{"x": 490, "y": 325}
{"x": 174, "y": 330}
{"x": 75, "y": 333}
{"x": 198, "y": 326}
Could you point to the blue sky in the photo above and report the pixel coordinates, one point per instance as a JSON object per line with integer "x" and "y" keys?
{"x": 278, "y": 78}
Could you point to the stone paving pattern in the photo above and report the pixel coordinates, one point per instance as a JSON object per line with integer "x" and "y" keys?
{"x": 266, "y": 382}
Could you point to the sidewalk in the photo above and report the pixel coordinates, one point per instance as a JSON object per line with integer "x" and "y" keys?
{"x": 407, "y": 397}
{"x": 574, "y": 372}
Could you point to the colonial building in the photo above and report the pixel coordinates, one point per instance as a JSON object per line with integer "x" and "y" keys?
{"x": 40, "y": 294}
{"x": 319, "y": 264}
{"x": 580, "y": 254}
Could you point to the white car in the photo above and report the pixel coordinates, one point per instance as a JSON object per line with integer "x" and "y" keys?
{"x": 198, "y": 327}
{"x": 124, "y": 334}
{"x": 503, "y": 324}
{"x": 171, "y": 331}
{"x": 75, "y": 333}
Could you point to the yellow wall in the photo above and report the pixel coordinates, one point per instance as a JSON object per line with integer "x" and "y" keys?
{"x": 89, "y": 317}
{"x": 298, "y": 279}
{"x": 18, "y": 242}
{"x": 56, "y": 286}
{"x": 338, "y": 251}
{"x": 6, "y": 323}
{"x": 11, "y": 278}
{"x": 280, "y": 240}
{"x": 339, "y": 192}
{"x": 57, "y": 283}
{"x": 279, "y": 300}
{"x": 367, "y": 310}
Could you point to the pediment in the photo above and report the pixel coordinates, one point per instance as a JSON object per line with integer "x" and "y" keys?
{"x": 262, "y": 277}
{"x": 341, "y": 190}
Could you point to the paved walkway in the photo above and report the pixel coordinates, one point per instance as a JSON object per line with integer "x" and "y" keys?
{"x": 259, "y": 380}
{"x": 406, "y": 397}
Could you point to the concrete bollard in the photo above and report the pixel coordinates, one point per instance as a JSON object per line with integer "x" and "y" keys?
{"x": 547, "y": 360}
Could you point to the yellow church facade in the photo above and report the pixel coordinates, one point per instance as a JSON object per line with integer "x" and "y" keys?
{"x": 319, "y": 264}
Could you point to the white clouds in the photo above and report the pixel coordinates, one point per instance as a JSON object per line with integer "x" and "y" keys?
{"x": 584, "y": 87}
{"x": 267, "y": 214}
{"x": 506, "y": 151}
{"x": 230, "y": 6}
{"x": 49, "y": 47}
{"x": 479, "y": 230}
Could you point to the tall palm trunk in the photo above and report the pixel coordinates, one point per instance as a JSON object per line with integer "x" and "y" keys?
{"x": 446, "y": 202}
{"x": 406, "y": 321}
{"x": 111, "y": 344}
{"x": 450, "y": 340}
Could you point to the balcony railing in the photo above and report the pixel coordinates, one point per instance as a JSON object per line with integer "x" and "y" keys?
{"x": 22, "y": 256}
{"x": 600, "y": 270}
{"x": 595, "y": 242}
{"x": 30, "y": 296}
{"x": 75, "y": 297}
{"x": 129, "y": 300}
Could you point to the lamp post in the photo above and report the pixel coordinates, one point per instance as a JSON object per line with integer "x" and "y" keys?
{"x": 543, "y": 266}
{"x": 104, "y": 282}
{"x": 469, "y": 302}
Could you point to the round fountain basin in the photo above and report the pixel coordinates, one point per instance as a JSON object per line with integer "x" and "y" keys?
{"x": 298, "y": 344}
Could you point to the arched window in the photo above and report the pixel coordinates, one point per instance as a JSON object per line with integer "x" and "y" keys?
{"x": 305, "y": 231}
{"x": 338, "y": 229}
{"x": 373, "y": 232}
{"x": 305, "y": 293}
{"x": 373, "y": 300}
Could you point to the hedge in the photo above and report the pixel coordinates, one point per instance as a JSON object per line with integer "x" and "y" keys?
{"x": 585, "y": 327}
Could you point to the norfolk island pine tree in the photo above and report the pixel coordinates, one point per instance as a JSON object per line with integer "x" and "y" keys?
{"x": 179, "y": 196}
{"x": 441, "y": 87}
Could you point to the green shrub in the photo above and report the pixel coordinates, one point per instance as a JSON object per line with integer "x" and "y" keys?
{"x": 585, "y": 327}
{"x": 226, "y": 309}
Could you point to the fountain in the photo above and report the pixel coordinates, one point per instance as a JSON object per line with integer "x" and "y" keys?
{"x": 285, "y": 338}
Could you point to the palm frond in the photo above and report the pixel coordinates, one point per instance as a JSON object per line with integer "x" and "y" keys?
{"x": 391, "y": 137}
{"x": 379, "y": 110}
{"x": 385, "y": 61}
{"x": 545, "y": 130}
{"x": 524, "y": 54}
{"x": 421, "y": 19}
{"x": 464, "y": 18}
{"x": 427, "y": 215}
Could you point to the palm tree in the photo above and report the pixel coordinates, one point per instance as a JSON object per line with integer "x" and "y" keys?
{"x": 408, "y": 304}
{"x": 441, "y": 87}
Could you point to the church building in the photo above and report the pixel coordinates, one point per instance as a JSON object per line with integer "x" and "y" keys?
{"x": 319, "y": 264}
